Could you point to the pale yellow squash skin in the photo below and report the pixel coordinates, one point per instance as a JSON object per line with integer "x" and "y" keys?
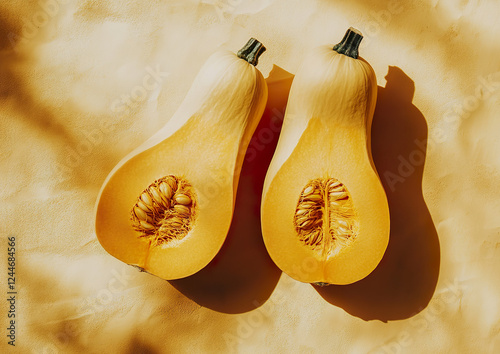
{"x": 204, "y": 142}
{"x": 325, "y": 134}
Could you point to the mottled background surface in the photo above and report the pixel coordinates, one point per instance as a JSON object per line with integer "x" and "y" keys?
{"x": 73, "y": 102}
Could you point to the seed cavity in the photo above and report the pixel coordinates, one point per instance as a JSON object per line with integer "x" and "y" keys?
{"x": 165, "y": 211}
{"x": 325, "y": 218}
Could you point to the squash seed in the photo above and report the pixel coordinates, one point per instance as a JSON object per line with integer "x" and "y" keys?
{"x": 156, "y": 195}
{"x": 335, "y": 185}
{"x": 172, "y": 184}
{"x": 308, "y": 190}
{"x": 146, "y": 225}
{"x": 343, "y": 230}
{"x": 302, "y": 219}
{"x": 315, "y": 236}
{"x": 181, "y": 209}
{"x": 141, "y": 214}
{"x": 183, "y": 199}
{"x": 314, "y": 197}
{"x": 306, "y": 224}
{"x": 307, "y": 205}
{"x": 143, "y": 206}
{"x": 301, "y": 212}
{"x": 343, "y": 223}
{"x": 166, "y": 190}
{"x": 146, "y": 199}
{"x": 338, "y": 195}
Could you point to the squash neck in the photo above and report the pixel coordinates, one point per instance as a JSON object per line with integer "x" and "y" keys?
{"x": 252, "y": 51}
{"x": 350, "y": 43}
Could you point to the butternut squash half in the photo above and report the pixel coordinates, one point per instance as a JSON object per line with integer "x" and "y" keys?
{"x": 325, "y": 216}
{"x": 167, "y": 206}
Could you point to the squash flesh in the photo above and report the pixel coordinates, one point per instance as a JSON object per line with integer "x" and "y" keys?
{"x": 204, "y": 143}
{"x": 326, "y": 135}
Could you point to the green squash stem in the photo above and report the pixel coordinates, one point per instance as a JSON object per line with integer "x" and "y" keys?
{"x": 350, "y": 43}
{"x": 251, "y": 51}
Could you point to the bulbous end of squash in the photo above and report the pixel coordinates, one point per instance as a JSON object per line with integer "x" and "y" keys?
{"x": 325, "y": 215}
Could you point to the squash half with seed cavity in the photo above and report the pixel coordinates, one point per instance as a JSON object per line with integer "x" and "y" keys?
{"x": 325, "y": 217}
{"x": 167, "y": 207}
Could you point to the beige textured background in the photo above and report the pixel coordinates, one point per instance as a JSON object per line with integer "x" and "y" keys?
{"x": 66, "y": 70}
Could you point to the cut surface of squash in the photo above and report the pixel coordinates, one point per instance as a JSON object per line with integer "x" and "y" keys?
{"x": 325, "y": 217}
{"x": 167, "y": 206}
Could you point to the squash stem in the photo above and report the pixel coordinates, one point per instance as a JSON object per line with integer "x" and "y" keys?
{"x": 350, "y": 43}
{"x": 252, "y": 51}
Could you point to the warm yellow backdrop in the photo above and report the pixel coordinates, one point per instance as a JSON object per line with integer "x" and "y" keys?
{"x": 84, "y": 82}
